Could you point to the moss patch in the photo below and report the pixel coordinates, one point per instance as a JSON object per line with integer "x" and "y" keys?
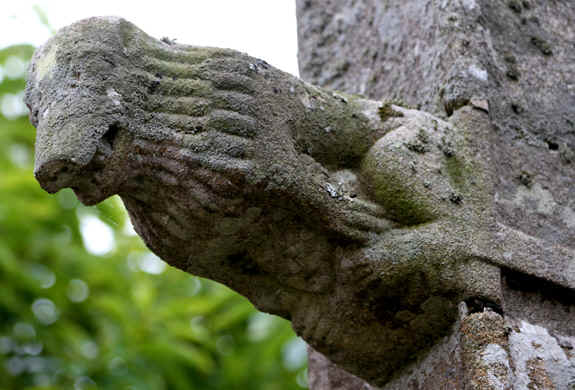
{"x": 409, "y": 211}
{"x": 456, "y": 172}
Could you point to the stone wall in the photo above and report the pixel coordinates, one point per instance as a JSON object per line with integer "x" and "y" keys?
{"x": 515, "y": 59}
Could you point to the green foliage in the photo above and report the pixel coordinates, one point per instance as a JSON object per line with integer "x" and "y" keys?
{"x": 119, "y": 320}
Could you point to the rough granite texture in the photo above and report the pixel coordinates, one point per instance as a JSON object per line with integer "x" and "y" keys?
{"x": 371, "y": 225}
{"x": 438, "y": 54}
{"x": 516, "y": 60}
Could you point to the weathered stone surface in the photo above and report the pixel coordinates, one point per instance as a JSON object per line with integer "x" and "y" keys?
{"x": 438, "y": 55}
{"x": 324, "y": 374}
{"x": 514, "y": 59}
{"x": 485, "y": 352}
{"x": 367, "y": 224}
{"x": 539, "y": 319}
{"x": 359, "y": 221}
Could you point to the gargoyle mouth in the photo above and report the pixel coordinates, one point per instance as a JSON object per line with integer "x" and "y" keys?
{"x": 88, "y": 182}
{"x": 93, "y": 177}
{"x": 55, "y": 175}
{"x": 96, "y": 181}
{"x": 90, "y": 197}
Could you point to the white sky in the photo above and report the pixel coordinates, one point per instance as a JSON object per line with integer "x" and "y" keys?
{"x": 261, "y": 28}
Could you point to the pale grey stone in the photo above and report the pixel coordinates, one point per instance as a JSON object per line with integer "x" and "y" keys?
{"x": 366, "y": 223}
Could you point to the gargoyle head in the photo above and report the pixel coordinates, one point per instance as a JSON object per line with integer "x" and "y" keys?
{"x": 187, "y": 137}
{"x": 75, "y": 104}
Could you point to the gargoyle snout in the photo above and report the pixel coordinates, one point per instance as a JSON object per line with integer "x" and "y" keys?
{"x": 55, "y": 175}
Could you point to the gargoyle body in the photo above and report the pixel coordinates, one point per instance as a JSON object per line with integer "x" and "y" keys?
{"x": 363, "y": 223}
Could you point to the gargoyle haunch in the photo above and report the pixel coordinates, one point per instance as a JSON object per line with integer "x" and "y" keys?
{"x": 364, "y": 223}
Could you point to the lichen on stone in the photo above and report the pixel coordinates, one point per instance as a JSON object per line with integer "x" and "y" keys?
{"x": 387, "y": 111}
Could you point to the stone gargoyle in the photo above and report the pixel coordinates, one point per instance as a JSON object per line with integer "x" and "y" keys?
{"x": 363, "y": 223}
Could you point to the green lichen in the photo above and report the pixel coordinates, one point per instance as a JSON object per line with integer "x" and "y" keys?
{"x": 510, "y": 58}
{"x": 386, "y": 111}
{"x": 416, "y": 147}
{"x": 410, "y": 211}
{"x": 446, "y": 147}
{"x": 401, "y": 204}
{"x": 513, "y": 73}
{"x": 422, "y": 136}
{"x": 421, "y": 144}
{"x": 515, "y": 6}
{"x": 526, "y": 179}
{"x": 455, "y": 197}
{"x": 543, "y": 46}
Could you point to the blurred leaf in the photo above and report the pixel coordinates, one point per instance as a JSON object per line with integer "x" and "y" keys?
{"x": 233, "y": 316}
{"x": 43, "y": 18}
{"x": 23, "y": 51}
